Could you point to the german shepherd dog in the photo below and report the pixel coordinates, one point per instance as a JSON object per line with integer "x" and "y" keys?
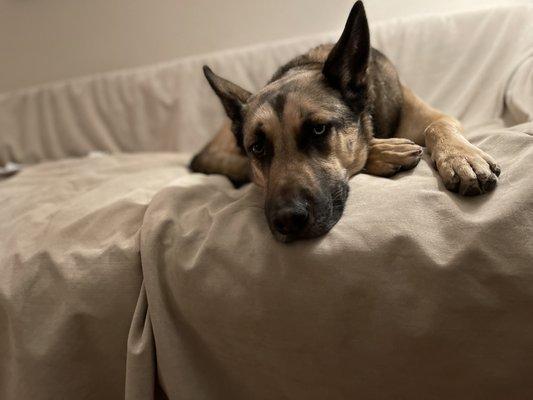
{"x": 326, "y": 115}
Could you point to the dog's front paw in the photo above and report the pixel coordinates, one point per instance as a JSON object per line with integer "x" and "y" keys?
{"x": 464, "y": 168}
{"x": 389, "y": 156}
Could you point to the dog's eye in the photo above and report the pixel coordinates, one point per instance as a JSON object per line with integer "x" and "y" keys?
{"x": 258, "y": 148}
{"x": 319, "y": 129}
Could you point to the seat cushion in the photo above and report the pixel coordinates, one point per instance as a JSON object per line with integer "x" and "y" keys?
{"x": 416, "y": 293}
{"x": 70, "y": 272}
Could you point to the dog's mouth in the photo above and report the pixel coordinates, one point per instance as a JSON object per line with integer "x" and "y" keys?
{"x": 323, "y": 214}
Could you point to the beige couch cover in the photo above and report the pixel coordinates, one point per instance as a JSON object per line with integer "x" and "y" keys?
{"x": 126, "y": 276}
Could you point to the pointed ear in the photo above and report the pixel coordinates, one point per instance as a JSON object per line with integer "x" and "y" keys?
{"x": 346, "y": 66}
{"x": 232, "y": 96}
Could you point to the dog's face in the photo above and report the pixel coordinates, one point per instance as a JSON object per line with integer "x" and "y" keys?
{"x": 305, "y": 134}
{"x": 303, "y": 143}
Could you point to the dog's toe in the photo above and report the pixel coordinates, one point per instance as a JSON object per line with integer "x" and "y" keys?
{"x": 412, "y": 158}
{"x": 469, "y": 176}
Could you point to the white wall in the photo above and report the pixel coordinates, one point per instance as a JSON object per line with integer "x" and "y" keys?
{"x": 44, "y": 40}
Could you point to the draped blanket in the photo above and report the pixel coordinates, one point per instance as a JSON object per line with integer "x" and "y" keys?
{"x": 123, "y": 275}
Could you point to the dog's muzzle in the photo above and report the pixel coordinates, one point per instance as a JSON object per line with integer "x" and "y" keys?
{"x": 291, "y": 219}
{"x": 298, "y": 214}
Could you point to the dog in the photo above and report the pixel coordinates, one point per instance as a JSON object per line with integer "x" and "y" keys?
{"x": 338, "y": 110}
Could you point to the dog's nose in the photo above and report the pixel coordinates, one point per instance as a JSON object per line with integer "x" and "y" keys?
{"x": 290, "y": 220}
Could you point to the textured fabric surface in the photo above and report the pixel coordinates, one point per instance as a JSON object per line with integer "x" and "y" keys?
{"x": 460, "y": 63}
{"x": 415, "y": 293}
{"x": 70, "y": 273}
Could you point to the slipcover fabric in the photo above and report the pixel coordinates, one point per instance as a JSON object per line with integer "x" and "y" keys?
{"x": 127, "y": 276}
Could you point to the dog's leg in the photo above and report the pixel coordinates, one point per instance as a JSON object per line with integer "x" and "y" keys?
{"x": 462, "y": 166}
{"x": 386, "y": 157}
{"x": 222, "y": 156}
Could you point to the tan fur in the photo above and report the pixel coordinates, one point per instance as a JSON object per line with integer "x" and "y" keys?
{"x": 291, "y": 167}
{"x": 222, "y": 156}
{"x": 320, "y": 53}
{"x": 462, "y": 166}
{"x": 388, "y": 156}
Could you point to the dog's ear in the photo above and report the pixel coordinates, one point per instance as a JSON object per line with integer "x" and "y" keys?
{"x": 346, "y": 66}
{"x": 232, "y": 96}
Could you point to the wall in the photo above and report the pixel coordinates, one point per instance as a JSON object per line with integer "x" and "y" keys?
{"x": 48, "y": 40}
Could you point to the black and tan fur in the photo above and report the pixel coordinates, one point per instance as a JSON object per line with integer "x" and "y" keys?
{"x": 325, "y": 116}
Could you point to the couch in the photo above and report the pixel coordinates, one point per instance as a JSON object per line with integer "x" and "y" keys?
{"x": 123, "y": 275}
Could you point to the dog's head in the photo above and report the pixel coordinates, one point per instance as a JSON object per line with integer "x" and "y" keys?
{"x": 306, "y": 133}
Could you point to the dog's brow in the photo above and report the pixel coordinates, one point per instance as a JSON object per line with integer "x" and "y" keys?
{"x": 322, "y": 116}
{"x": 278, "y": 104}
{"x": 257, "y": 130}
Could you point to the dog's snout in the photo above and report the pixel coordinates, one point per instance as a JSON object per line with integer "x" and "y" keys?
{"x": 290, "y": 220}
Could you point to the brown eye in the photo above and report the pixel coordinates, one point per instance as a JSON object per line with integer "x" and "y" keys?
{"x": 258, "y": 148}
{"x": 319, "y": 129}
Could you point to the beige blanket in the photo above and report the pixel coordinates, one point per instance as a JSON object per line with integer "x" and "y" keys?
{"x": 70, "y": 273}
{"x": 417, "y": 293}
{"x": 124, "y": 275}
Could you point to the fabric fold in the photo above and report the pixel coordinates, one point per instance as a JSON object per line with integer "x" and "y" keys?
{"x": 140, "y": 361}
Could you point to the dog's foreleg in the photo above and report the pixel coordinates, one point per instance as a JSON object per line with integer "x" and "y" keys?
{"x": 463, "y": 167}
{"x": 222, "y": 156}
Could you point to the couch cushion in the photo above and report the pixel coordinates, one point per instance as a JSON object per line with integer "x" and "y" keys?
{"x": 416, "y": 293}
{"x": 70, "y": 272}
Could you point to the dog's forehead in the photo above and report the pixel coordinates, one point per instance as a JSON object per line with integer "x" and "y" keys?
{"x": 292, "y": 99}
{"x": 300, "y": 81}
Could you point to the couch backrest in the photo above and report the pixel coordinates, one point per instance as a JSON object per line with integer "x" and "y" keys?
{"x": 461, "y": 63}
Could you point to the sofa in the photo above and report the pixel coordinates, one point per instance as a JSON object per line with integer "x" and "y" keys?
{"x": 123, "y": 275}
